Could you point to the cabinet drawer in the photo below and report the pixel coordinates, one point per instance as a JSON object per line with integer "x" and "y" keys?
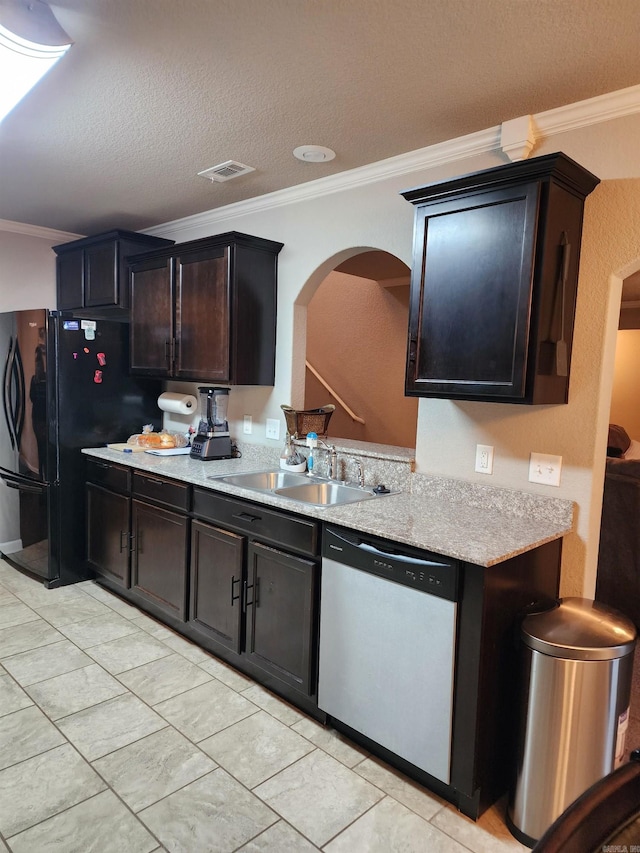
{"x": 167, "y": 492}
{"x": 297, "y": 534}
{"x": 114, "y": 477}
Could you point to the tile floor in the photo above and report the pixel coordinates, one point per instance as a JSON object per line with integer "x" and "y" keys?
{"x": 117, "y": 735}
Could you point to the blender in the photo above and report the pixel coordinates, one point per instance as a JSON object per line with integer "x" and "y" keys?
{"x": 212, "y": 441}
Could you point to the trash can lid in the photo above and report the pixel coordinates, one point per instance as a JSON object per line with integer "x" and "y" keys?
{"x": 580, "y": 629}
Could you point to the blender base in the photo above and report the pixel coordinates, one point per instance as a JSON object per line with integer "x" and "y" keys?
{"x": 205, "y": 449}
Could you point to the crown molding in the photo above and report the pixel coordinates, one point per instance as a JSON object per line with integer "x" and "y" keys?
{"x": 37, "y": 231}
{"x": 580, "y": 114}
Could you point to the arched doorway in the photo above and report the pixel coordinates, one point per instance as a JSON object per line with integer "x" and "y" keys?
{"x": 356, "y": 347}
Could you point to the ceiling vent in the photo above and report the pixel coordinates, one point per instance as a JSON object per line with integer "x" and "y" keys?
{"x": 226, "y": 171}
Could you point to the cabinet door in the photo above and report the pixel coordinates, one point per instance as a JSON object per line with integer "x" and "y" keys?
{"x": 217, "y": 560}
{"x": 108, "y": 534}
{"x": 202, "y": 315}
{"x": 469, "y": 316}
{"x": 101, "y": 275}
{"x": 69, "y": 280}
{"x": 151, "y": 327}
{"x": 280, "y": 618}
{"x": 159, "y": 557}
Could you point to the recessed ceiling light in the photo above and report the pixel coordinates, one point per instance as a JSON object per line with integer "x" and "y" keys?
{"x": 313, "y": 154}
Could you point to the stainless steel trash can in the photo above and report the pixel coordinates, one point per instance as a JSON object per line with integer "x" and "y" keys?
{"x": 574, "y": 708}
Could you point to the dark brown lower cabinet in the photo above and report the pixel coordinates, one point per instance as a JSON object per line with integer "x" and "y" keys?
{"x": 159, "y": 556}
{"x": 279, "y": 614}
{"x": 217, "y": 566}
{"x": 108, "y": 534}
{"x": 253, "y": 599}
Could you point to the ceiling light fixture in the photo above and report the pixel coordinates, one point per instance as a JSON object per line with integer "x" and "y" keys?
{"x": 31, "y": 42}
{"x": 313, "y": 153}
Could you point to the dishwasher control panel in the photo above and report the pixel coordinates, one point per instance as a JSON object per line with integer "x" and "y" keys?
{"x": 422, "y": 570}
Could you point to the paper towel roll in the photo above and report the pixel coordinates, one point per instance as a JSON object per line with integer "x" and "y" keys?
{"x": 181, "y": 404}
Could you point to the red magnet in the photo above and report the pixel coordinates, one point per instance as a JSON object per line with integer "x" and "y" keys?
{"x": 87, "y": 350}
{"x": 97, "y": 377}
{"x": 102, "y": 359}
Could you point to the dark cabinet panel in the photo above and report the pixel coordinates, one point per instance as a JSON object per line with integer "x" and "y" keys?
{"x": 108, "y": 534}
{"x": 205, "y": 310}
{"x": 494, "y": 282}
{"x": 159, "y": 556}
{"x": 151, "y": 327}
{"x": 92, "y": 271}
{"x": 217, "y": 570}
{"x": 280, "y": 619}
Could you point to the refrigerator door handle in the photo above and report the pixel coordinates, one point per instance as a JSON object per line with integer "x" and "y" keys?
{"x": 24, "y": 484}
{"x": 21, "y": 393}
{"x": 7, "y": 396}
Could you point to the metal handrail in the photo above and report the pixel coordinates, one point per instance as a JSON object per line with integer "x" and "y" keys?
{"x": 335, "y": 396}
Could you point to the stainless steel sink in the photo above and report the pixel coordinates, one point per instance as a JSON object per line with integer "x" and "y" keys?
{"x": 314, "y": 491}
{"x": 324, "y": 494}
{"x": 263, "y": 481}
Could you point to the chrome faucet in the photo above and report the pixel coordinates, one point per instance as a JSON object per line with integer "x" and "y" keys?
{"x": 360, "y": 471}
{"x": 333, "y": 458}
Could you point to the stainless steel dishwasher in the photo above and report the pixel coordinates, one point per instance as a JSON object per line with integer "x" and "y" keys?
{"x": 388, "y": 645}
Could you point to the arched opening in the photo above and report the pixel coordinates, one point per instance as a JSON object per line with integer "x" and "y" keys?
{"x": 356, "y": 332}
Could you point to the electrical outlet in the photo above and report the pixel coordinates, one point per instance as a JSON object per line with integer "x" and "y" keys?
{"x": 247, "y": 428}
{"x": 272, "y": 428}
{"x": 484, "y": 459}
{"x": 545, "y": 469}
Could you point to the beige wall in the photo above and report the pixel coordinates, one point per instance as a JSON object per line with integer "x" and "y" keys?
{"x": 356, "y": 339}
{"x": 625, "y": 397}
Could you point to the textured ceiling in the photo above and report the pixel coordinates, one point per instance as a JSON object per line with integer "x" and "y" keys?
{"x": 154, "y": 91}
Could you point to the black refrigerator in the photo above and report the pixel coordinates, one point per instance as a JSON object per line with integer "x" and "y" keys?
{"x": 66, "y": 385}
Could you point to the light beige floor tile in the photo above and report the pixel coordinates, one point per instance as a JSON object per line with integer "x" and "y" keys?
{"x": 400, "y": 787}
{"x": 226, "y": 674}
{"x": 12, "y": 696}
{"x": 111, "y": 600}
{"x": 205, "y": 710}
{"x": 214, "y": 813}
{"x": 35, "y": 594}
{"x": 256, "y": 748}
{"x": 66, "y": 694}
{"x": 390, "y": 827}
{"x": 279, "y": 838}
{"x": 7, "y": 597}
{"x": 319, "y": 796}
{"x": 102, "y": 729}
{"x": 65, "y": 612}
{"x": 24, "y": 734}
{"x": 151, "y": 768}
{"x": 16, "y": 613}
{"x": 188, "y": 650}
{"x": 156, "y": 629}
{"x": 164, "y": 678}
{"x": 331, "y": 741}
{"x": 98, "y": 825}
{"x": 43, "y": 786}
{"x": 128, "y": 652}
{"x": 32, "y": 635}
{"x": 45, "y": 662}
{"x": 275, "y": 706}
{"x": 100, "y": 629}
{"x": 487, "y": 835}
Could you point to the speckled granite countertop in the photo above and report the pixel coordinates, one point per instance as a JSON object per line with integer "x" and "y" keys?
{"x": 477, "y": 523}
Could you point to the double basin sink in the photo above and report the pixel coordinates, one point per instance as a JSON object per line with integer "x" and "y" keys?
{"x": 316, "y": 491}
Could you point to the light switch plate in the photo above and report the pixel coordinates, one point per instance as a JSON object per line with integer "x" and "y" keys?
{"x": 545, "y": 469}
{"x": 247, "y": 427}
{"x": 272, "y": 428}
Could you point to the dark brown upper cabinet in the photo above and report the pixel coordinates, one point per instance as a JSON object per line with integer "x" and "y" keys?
{"x": 206, "y": 310}
{"x": 494, "y": 281}
{"x": 92, "y": 272}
